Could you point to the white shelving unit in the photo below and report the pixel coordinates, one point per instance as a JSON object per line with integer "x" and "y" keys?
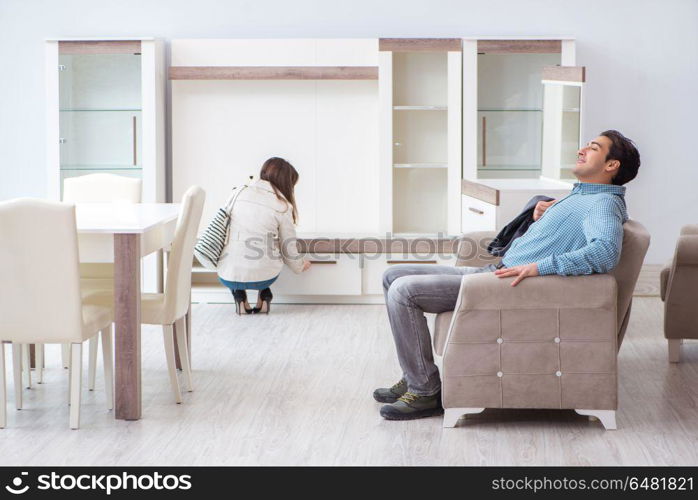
{"x": 421, "y": 130}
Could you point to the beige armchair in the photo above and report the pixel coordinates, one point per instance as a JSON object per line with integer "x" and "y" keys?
{"x": 549, "y": 342}
{"x": 679, "y": 289}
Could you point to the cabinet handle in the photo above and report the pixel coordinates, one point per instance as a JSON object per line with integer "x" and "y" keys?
{"x": 475, "y": 210}
{"x": 135, "y": 138}
{"x": 323, "y": 261}
{"x": 411, "y": 262}
{"x": 484, "y": 141}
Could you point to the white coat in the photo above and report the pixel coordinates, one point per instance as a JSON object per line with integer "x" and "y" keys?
{"x": 261, "y": 236}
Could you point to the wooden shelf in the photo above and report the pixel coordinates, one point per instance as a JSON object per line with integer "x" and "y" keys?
{"x": 273, "y": 73}
{"x": 519, "y": 46}
{"x": 420, "y": 44}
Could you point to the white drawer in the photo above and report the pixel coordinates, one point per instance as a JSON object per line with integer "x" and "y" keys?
{"x": 329, "y": 275}
{"x": 375, "y": 267}
{"x": 477, "y": 215}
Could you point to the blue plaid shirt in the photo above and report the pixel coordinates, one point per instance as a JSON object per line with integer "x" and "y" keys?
{"x": 580, "y": 234}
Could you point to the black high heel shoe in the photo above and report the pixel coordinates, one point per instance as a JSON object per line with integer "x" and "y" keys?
{"x": 241, "y": 302}
{"x": 264, "y": 301}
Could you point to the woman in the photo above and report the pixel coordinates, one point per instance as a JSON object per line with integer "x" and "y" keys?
{"x": 261, "y": 236}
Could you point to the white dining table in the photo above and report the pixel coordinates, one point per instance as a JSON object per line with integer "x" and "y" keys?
{"x": 136, "y": 230}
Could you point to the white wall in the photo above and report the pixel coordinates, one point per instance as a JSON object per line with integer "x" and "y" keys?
{"x": 641, "y": 58}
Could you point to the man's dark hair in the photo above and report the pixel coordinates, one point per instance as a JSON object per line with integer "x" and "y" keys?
{"x": 623, "y": 150}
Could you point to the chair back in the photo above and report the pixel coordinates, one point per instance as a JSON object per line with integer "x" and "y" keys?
{"x": 40, "y": 289}
{"x": 636, "y": 240}
{"x": 102, "y": 188}
{"x": 178, "y": 285}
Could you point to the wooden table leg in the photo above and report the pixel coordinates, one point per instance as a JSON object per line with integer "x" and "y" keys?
{"x": 127, "y": 320}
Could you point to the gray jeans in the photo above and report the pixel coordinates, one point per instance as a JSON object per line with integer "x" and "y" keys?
{"x": 411, "y": 290}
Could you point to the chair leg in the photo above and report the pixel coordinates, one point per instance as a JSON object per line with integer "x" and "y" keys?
{"x": 184, "y": 351}
{"x": 26, "y": 365}
{"x": 607, "y": 417}
{"x": 675, "y": 350}
{"x": 65, "y": 355}
{"x": 452, "y": 415}
{"x": 17, "y": 373}
{"x": 3, "y": 388}
{"x": 92, "y": 362}
{"x": 75, "y": 384}
{"x": 168, "y": 337}
{"x": 39, "y": 349}
{"x": 108, "y": 362}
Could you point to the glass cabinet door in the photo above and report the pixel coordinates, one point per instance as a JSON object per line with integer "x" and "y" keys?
{"x": 100, "y": 114}
{"x": 510, "y": 113}
{"x": 562, "y": 105}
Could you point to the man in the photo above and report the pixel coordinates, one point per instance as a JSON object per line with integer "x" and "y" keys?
{"x": 580, "y": 234}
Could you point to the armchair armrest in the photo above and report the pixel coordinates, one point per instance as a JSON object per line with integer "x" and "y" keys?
{"x": 472, "y": 249}
{"x": 575, "y": 307}
{"x": 687, "y": 249}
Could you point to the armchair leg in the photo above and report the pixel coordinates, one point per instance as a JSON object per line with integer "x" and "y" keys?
{"x": 675, "y": 350}
{"x": 452, "y": 415}
{"x": 607, "y": 417}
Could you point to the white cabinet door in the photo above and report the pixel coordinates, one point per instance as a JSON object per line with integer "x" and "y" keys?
{"x": 334, "y": 275}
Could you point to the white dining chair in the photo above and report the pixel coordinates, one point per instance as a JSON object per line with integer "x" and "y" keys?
{"x": 168, "y": 309}
{"x": 97, "y": 188}
{"x": 40, "y": 297}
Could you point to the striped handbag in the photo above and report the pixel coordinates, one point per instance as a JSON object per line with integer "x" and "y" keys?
{"x": 211, "y": 243}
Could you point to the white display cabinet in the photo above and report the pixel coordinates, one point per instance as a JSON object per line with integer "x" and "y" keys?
{"x": 106, "y": 113}
{"x": 521, "y": 125}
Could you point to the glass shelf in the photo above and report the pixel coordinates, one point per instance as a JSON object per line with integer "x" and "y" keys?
{"x": 507, "y": 110}
{"x": 104, "y": 110}
{"x": 105, "y": 168}
{"x": 420, "y": 165}
{"x": 508, "y": 167}
{"x": 420, "y": 108}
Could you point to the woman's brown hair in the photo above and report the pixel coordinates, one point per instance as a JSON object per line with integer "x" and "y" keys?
{"x": 282, "y": 177}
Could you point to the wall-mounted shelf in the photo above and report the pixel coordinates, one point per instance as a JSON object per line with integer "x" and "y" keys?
{"x": 273, "y": 73}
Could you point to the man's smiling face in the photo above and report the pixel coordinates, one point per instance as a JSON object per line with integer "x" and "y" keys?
{"x": 592, "y": 163}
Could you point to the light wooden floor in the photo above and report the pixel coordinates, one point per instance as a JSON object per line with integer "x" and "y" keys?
{"x": 295, "y": 387}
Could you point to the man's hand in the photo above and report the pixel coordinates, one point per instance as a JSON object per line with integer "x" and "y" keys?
{"x": 306, "y": 265}
{"x": 541, "y": 207}
{"x": 520, "y": 272}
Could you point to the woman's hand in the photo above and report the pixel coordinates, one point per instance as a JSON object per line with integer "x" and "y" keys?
{"x": 306, "y": 265}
